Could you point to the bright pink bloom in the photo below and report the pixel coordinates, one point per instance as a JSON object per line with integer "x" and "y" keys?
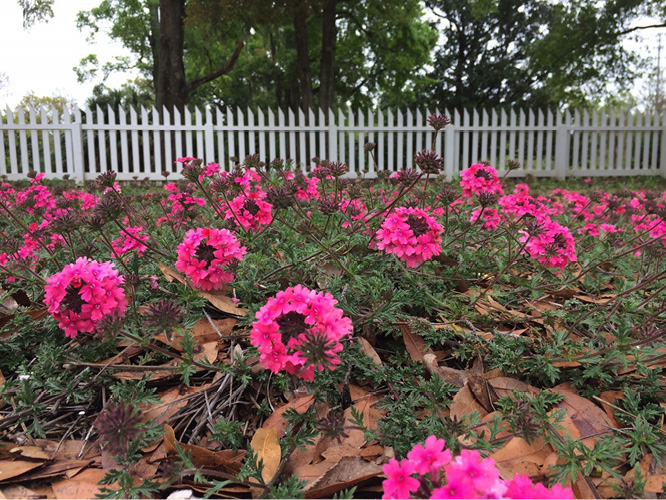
{"x": 456, "y": 487}
{"x": 125, "y": 243}
{"x": 482, "y": 473}
{"x": 480, "y": 178}
{"x": 250, "y": 211}
{"x": 431, "y": 457}
{"x": 522, "y": 487}
{"x": 490, "y": 217}
{"x": 299, "y": 331}
{"x": 411, "y": 234}
{"x": 205, "y": 254}
{"x": 399, "y": 483}
{"x": 83, "y": 293}
{"x": 553, "y": 246}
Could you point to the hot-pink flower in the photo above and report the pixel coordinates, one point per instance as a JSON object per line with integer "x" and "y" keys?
{"x": 83, "y": 293}
{"x": 399, "y": 483}
{"x": 205, "y": 254}
{"x": 410, "y": 234}
{"x": 299, "y": 331}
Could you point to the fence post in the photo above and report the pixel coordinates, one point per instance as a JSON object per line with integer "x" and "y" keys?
{"x": 562, "y": 151}
{"x": 662, "y": 156}
{"x": 209, "y": 138}
{"x": 449, "y": 151}
{"x": 77, "y": 147}
{"x": 332, "y": 136}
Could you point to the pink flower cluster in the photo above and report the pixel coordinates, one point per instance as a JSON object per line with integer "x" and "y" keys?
{"x": 83, "y": 293}
{"x": 204, "y": 255}
{"x": 299, "y": 331}
{"x": 553, "y": 245}
{"x": 466, "y": 476}
{"x": 125, "y": 243}
{"x": 411, "y": 234}
{"x": 480, "y": 178}
{"x": 250, "y": 210}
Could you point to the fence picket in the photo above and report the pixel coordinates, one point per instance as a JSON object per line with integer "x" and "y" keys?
{"x": 292, "y": 135}
{"x": 168, "y": 154}
{"x": 283, "y": 137}
{"x": 46, "y": 141}
{"x": 34, "y": 143}
{"x": 475, "y": 155}
{"x": 485, "y": 120}
{"x": 69, "y": 147}
{"x": 620, "y": 142}
{"x": 630, "y": 141}
{"x": 638, "y": 142}
{"x": 341, "y": 134}
{"x": 371, "y": 138}
{"x": 611, "y": 141}
{"x": 379, "y": 151}
{"x": 522, "y": 121}
{"x": 400, "y": 155}
{"x": 252, "y": 145}
{"x": 494, "y": 120}
{"x": 198, "y": 120}
{"x": 465, "y": 139}
{"x": 654, "y": 123}
{"x": 409, "y": 124}
{"x": 262, "y": 136}
{"x": 352, "y": 144}
{"x": 549, "y": 140}
{"x": 271, "y": 138}
{"x": 361, "y": 142}
{"x": 3, "y": 160}
{"x": 323, "y": 136}
{"x": 230, "y": 136}
{"x": 156, "y": 167}
{"x": 145, "y": 124}
{"x": 240, "y": 122}
{"x": 512, "y": 136}
{"x": 23, "y": 140}
{"x": 419, "y": 135}
{"x": 312, "y": 121}
{"x": 602, "y": 142}
{"x": 501, "y": 164}
{"x": 302, "y": 155}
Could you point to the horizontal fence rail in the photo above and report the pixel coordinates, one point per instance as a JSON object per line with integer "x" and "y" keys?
{"x": 144, "y": 143}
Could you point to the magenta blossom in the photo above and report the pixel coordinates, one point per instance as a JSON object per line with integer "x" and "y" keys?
{"x": 84, "y": 293}
{"x": 299, "y": 331}
{"x": 411, "y": 234}
{"x": 205, "y": 254}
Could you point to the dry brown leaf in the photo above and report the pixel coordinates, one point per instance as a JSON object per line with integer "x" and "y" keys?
{"x": 83, "y": 485}
{"x": 655, "y": 483}
{"x": 12, "y": 468}
{"x": 172, "y": 400}
{"x": 348, "y": 472}
{"x": 228, "y": 460}
{"x": 267, "y": 449}
{"x": 278, "y": 422}
{"x": 465, "y": 402}
{"x": 587, "y": 418}
{"x": 369, "y": 350}
{"x": 450, "y": 375}
{"x": 217, "y": 298}
{"x": 19, "y": 491}
{"x": 414, "y": 343}
{"x": 57, "y": 468}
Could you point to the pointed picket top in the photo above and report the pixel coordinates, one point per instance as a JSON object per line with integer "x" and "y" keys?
{"x": 260, "y": 117}
{"x": 281, "y": 117}
{"x": 291, "y": 118}
{"x": 240, "y": 117}
{"x": 250, "y": 116}
{"x": 271, "y": 117}
{"x": 198, "y": 117}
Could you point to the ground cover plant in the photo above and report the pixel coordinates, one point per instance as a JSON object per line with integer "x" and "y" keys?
{"x": 270, "y": 333}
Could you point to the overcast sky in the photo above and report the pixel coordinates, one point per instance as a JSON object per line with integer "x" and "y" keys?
{"x": 41, "y": 59}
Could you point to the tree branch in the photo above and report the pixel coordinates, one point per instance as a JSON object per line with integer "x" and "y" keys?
{"x": 636, "y": 28}
{"x": 222, "y": 71}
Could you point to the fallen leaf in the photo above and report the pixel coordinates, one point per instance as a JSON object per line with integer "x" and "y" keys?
{"x": 587, "y": 419}
{"x": 217, "y": 298}
{"x": 12, "y": 468}
{"x": 348, "y": 472}
{"x": 83, "y": 485}
{"x": 369, "y": 350}
{"x": 278, "y": 422}
{"x": 414, "y": 344}
{"x": 228, "y": 460}
{"x": 655, "y": 483}
{"x": 267, "y": 449}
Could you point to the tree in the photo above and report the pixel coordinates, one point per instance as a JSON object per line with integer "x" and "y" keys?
{"x": 154, "y": 30}
{"x": 508, "y": 52}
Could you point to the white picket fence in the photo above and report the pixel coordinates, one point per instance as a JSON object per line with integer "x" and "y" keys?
{"x": 142, "y": 144}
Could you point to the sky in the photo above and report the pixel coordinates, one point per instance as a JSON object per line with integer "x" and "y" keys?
{"x": 41, "y": 59}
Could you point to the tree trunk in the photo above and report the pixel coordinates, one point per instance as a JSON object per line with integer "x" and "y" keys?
{"x": 304, "y": 75}
{"x": 170, "y": 86}
{"x": 328, "y": 40}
